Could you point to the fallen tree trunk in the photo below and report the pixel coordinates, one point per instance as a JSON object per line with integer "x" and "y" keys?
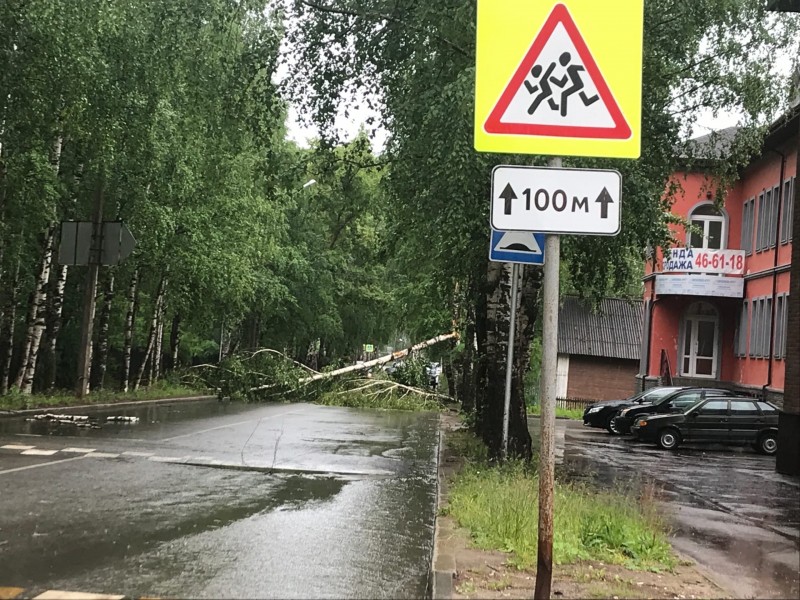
{"x": 369, "y": 364}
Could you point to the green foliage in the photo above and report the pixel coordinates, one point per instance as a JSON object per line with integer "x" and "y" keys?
{"x": 377, "y": 394}
{"x": 498, "y": 505}
{"x": 575, "y": 414}
{"x": 411, "y": 371}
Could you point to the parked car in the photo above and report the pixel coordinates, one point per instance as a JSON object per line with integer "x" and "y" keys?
{"x": 600, "y": 414}
{"x": 675, "y": 402}
{"x": 727, "y": 420}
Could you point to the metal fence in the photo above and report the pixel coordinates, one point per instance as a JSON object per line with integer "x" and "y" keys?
{"x": 573, "y": 403}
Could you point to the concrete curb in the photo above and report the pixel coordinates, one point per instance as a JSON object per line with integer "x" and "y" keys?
{"x": 85, "y": 407}
{"x": 443, "y": 564}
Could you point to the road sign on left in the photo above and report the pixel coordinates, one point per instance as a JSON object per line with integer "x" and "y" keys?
{"x": 76, "y": 242}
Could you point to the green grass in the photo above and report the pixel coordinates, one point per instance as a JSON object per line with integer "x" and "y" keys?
{"x": 16, "y": 401}
{"x": 499, "y": 507}
{"x": 561, "y": 413}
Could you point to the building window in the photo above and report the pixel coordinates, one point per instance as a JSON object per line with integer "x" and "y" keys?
{"x": 762, "y": 209}
{"x": 781, "y": 324}
{"x": 747, "y": 225}
{"x": 708, "y": 228}
{"x": 773, "y": 215}
{"x": 788, "y": 210}
{"x": 760, "y": 332}
{"x": 740, "y": 344}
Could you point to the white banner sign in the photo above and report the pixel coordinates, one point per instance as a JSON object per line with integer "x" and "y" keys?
{"x": 700, "y": 285}
{"x": 703, "y": 260}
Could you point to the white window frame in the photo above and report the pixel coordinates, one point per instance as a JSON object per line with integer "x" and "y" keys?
{"x": 706, "y": 219}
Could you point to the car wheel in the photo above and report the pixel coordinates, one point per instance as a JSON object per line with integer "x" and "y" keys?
{"x": 612, "y": 427}
{"x": 669, "y": 439}
{"x": 768, "y": 444}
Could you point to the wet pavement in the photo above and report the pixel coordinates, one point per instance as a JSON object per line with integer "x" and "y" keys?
{"x": 214, "y": 500}
{"x": 729, "y": 510}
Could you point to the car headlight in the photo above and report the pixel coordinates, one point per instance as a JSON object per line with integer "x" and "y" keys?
{"x": 595, "y": 409}
{"x": 642, "y": 422}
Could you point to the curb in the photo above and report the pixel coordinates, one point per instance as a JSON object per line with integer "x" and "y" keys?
{"x": 85, "y": 407}
{"x": 443, "y": 566}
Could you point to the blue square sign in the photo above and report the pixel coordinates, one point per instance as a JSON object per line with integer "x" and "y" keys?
{"x": 521, "y": 247}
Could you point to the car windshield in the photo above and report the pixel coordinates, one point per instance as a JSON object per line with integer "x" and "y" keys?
{"x": 657, "y": 394}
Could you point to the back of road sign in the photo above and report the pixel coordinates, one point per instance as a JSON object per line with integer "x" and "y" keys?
{"x": 521, "y": 247}
{"x": 559, "y": 78}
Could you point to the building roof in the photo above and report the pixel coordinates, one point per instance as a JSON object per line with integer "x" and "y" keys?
{"x": 613, "y": 331}
{"x": 712, "y": 146}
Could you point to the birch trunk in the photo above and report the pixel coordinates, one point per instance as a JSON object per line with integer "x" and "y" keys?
{"x": 157, "y": 357}
{"x": 175, "y": 340}
{"x": 130, "y": 319}
{"x": 102, "y": 336}
{"x": 36, "y": 318}
{"x": 10, "y": 321}
{"x": 369, "y": 364}
{"x": 497, "y": 322}
{"x": 54, "y": 328}
{"x": 151, "y": 338}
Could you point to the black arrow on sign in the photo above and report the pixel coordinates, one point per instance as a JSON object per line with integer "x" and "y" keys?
{"x": 604, "y": 199}
{"x": 508, "y": 195}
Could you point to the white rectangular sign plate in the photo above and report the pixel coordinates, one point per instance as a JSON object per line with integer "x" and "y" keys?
{"x": 703, "y": 260}
{"x": 700, "y": 285}
{"x": 559, "y": 201}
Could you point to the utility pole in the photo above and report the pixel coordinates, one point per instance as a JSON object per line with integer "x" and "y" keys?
{"x": 87, "y": 327}
{"x": 547, "y": 418}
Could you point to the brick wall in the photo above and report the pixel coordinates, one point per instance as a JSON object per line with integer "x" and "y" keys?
{"x": 601, "y": 378}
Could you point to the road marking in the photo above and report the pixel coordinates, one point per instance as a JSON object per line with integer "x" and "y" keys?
{"x": 103, "y": 455}
{"x": 36, "y": 452}
{"x": 167, "y": 459}
{"x": 141, "y": 454}
{"x": 17, "y": 447}
{"x": 62, "y": 595}
{"x": 78, "y": 450}
{"x": 46, "y": 464}
{"x": 177, "y": 437}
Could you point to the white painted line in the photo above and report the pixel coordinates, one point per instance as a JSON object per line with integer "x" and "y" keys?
{"x": 47, "y": 464}
{"x": 167, "y": 459}
{"x": 103, "y": 455}
{"x": 36, "y": 452}
{"x": 141, "y": 454}
{"x": 17, "y": 447}
{"x": 193, "y": 433}
{"x": 62, "y": 595}
{"x": 78, "y": 450}
{"x": 202, "y": 458}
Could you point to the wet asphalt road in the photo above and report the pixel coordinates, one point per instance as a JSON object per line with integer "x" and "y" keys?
{"x": 730, "y": 511}
{"x": 215, "y": 500}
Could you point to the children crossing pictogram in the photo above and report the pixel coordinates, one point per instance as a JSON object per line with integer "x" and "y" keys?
{"x": 558, "y": 90}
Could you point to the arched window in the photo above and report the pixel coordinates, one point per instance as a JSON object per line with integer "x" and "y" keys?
{"x": 709, "y": 228}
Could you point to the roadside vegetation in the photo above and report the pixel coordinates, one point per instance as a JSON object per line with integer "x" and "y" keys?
{"x": 561, "y": 413}
{"x": 498, "y": 506}
{"x": 162, "y": 389}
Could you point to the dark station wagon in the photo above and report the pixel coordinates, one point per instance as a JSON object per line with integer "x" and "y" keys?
{"x": 737, "y": 420}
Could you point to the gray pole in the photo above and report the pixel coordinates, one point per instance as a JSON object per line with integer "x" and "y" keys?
{"x": 87, "y": 327}
{"x": 547, "y": 420}
{"x": 510, "y": 354}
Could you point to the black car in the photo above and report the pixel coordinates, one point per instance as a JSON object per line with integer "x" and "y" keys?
{"x": 601, "y": 413}
{"x": 736, "y": 420}
{"x": 677, "y": 401}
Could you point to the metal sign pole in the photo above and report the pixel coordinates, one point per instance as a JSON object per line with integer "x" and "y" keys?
{"x": 510, "y": 355}
{"x": 547, "y": 419}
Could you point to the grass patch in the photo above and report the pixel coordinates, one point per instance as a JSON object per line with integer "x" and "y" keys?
{"x": 499, "y": 507}
{"x": 16, "y": 401}
{"x": 561, "y": 413}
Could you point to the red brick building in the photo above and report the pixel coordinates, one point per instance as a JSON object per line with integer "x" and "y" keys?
{"x": 716, "y": 305}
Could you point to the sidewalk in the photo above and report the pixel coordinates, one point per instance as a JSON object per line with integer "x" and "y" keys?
{"x": 462, "y": 571}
